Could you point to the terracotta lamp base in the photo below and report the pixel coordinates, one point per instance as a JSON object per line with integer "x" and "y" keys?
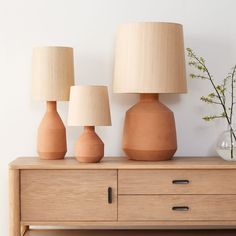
{"x": 149, "y": 130}
{"x": 89, "y": 147}
{"x": 51, "y": 135}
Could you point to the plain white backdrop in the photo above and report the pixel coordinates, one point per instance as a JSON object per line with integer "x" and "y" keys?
{"x": 89, "y": 26}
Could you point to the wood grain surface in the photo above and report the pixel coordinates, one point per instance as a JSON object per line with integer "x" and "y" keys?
{"x": 124, "y": 163}
{"x": 177, "y": 182}
{"x": 160, "y": 207}
{"x": 61, "y": 195}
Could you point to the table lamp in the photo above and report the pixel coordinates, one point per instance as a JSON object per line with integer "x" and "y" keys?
{"x": 149, "y": 60}
{"x": 89, "y": 107}
{"x": 53, "y": 74}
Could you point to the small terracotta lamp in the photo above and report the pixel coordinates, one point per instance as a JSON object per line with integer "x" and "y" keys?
{"x": 89, "y": 107}
{"x": 53, "y": 74}
{"x": 149, "y": 60}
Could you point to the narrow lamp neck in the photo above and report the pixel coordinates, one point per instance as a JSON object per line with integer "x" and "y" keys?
{"x": 146, "y": 97}
{"x": 89, "y": 128}
{"x": 51, "y": 105}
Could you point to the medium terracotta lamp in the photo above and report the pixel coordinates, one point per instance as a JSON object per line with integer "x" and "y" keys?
{"x": 53, "y": 74}
{"x": 89, "y": 107}
{"x": 149, "y": 60}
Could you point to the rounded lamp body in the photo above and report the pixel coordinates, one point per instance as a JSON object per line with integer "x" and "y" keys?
{"x": 149, "y": 130}
{"x": 51, "y": 142}
{"x": 89, "y": 148}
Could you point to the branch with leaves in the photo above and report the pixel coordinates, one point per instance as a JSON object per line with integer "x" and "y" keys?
{"x": 219, "y": 94}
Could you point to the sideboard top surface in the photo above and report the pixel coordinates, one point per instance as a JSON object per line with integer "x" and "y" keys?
{"x": 123, "y": 163}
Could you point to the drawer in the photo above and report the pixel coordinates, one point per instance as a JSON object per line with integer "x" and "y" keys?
{"x": 176, "y": 207}
{"x": 68, "y": 195}
{"x": 177, "y": 181}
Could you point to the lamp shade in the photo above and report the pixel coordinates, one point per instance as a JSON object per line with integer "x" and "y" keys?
{"x": 53, "y": 73}
{"x": 89, "y": 106}
{"x": 149, "y": 58}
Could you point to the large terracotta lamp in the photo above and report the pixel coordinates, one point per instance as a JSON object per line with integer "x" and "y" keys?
{"x": 53, "y": 74}
{"x": 149, "y": 60}
{"x": 89, "y": 107}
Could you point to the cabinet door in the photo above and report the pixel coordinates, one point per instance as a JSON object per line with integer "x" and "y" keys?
{"x": 68, "y": 195}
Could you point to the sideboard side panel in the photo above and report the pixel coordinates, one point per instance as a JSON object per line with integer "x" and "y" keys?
{"x": 14, "y": 192}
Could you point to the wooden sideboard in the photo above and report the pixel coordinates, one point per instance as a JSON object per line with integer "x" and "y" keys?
{"x": 186, "y": 192}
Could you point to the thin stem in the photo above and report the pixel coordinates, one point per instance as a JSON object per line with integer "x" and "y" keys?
{"x": 218, "y": 103}
{"x": 232, "y": 94}
{"x": 231, "y": 144}
{"x": 217, "y": 92}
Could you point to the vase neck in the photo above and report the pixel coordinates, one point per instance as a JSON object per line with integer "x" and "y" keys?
{"x": 51, "y": 106}
{"x": 149, "y": 97}
{"x": 89, "y": 128}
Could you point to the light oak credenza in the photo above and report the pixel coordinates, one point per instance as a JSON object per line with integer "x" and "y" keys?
{"x": 186, "y": 192}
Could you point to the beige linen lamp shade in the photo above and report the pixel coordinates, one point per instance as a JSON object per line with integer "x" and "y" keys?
{"x": 52, "y": 72}
{"x": 52, "y": 76}
{"x": 149, "y": 58}
{"x": 89, "y": 107}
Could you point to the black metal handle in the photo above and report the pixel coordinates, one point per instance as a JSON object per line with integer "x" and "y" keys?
{"x": 180, "y": 208}
{"x": 180, "y": 181}
{"x": 109, "y": 191}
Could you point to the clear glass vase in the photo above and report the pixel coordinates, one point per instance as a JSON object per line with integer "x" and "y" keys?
{"x": 226, "y": 145}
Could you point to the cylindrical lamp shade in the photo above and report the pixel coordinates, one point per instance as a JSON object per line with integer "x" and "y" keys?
{"x": 149, "y": 58}
{"x": 89, "y": 106}
{"x": 53, "y": 73}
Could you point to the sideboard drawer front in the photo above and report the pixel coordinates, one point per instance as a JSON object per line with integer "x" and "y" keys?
{"x": 68, "y": 195}
{"x": 177, "y": 181}
{"x": 176, "y": 207}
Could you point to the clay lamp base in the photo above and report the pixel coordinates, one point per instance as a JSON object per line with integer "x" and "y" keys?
{"x": 89, "y": 148}
{"x": 51, "y": 135}
{"x": 149, "y": 130}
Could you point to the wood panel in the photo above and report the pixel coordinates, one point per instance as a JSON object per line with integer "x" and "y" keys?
{"x": 123, "y": 163}
{"x": 160, "y": 207}
{"x": 177, "y": 181}
{"x": 131, "y": 233}
{"x": 68, "y": 195}
{"x": 155, "y": 224}
{"x": 14, "y": 193}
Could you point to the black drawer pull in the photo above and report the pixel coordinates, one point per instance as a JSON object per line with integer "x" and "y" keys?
{"x": 180, "y": 181}
{"x": 109, "y": 191}
{"x": 180, "y": 208}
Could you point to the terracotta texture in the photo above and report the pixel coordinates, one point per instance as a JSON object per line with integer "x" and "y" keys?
{"x": 149, "y": 130}
{"x": 51, "y": 135}
{"x": 89, "y": 148}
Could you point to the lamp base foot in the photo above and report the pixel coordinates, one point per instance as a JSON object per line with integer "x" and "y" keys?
{"x": 51, "y": 156}
{"x": 140, "y": 155}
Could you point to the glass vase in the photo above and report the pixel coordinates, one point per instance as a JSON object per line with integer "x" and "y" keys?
{"x": 226, "y": 145}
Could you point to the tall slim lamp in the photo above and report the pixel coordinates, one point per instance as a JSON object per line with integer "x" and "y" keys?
{"x": 149, "y": 60}
{"x": 89, "y": 107}
{"x": 53, "y": 74}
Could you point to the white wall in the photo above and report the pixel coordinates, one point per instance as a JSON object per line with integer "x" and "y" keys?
{"x": 89, "y": 26}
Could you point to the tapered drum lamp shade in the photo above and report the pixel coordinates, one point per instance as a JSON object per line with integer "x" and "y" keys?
{"x": 89, "y": 107}
{"x": 53, "y": 74}
{"x": 149, "y": 60}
